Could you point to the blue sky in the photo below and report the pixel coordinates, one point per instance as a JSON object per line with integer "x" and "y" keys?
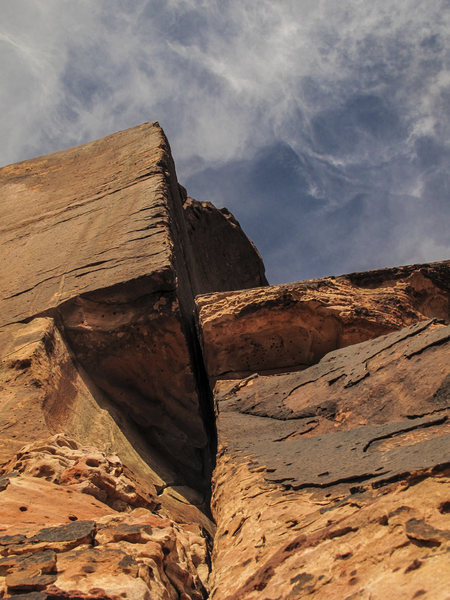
{"x": 323, "y": 125}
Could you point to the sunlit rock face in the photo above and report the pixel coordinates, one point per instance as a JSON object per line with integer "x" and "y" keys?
{"x": 95, "y": 238}
{"x": 333, "y": 481}
{"x": 173, "y": 427}
{"x": 293, "y": 326}
{"x": 98, "y": 345}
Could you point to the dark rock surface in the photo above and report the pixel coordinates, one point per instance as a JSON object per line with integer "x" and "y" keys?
{"x": 354, "y": 430}
{"x": 225, "y": 258}
{"x": 369, "y": 412}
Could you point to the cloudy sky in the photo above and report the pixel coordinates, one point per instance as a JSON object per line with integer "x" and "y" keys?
{"x": 322, "y": 124}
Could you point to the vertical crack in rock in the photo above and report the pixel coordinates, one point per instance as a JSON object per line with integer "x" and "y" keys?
{"x": 104, "y": 389}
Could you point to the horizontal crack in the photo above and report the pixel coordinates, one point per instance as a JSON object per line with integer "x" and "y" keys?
{"x": 405, "y": 430}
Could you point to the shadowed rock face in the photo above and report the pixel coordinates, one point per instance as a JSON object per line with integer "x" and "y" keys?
{"x": 95, "y": 238}
{"x": 331, "y": 401}
{"x": 98, "y": 346}
{"x": 224, "y": 260}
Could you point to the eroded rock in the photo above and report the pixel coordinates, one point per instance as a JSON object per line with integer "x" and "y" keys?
{"x": 95, "y": 237}
{"x": 293, "y": 326}
{"x": 62, "y": 460}
{"x": 326, "y": 474}
{"x": 135, "y": 554}
{"x": 332, "y": 401}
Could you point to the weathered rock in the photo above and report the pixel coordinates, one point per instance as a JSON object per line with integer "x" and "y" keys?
{"x": 95, "y": 237}
{"x": 95, "y": 243}
{"x": 104, "y": 405}
{"x": 328, "y": 543}
{"x": 225, "y": 257}
{"x": 331, "y": 481}
{"x": 42, "y": 393}
{"x": 112, "y": 554}
{"x": 63, "y": 461}
{"x": 332, "y": 473}
{"x": 292, "y": 326}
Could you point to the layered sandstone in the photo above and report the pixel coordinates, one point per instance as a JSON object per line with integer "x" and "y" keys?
{"x": 98, "y": 348}
{"x": 333, "y": 481}
{"x": 95, "y": 238}
{"x": 330, "y": 399}
{"x": 68, "y": 544}
{"x": 292, "y": 326}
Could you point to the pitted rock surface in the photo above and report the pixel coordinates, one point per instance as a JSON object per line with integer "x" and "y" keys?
{"x": 302, "y": 451}
{"x": 137, "y": 554}
{"x": 292, "y": 326}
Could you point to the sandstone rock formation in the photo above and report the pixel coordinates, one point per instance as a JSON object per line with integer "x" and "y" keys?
{"x": 337, "y": 449}
{"x": 98, "y": 342}
{"x": 94, "y": 238}
{"x": 224, "y": 260}
{"x": 322, "y": 406}
{"x": 292, "y": 326}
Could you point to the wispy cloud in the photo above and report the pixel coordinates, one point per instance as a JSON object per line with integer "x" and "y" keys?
{"x": 344, "y": 104}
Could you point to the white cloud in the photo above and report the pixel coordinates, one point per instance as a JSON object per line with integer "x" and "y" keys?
{"x": 237, "y": 74}
{"x": 227, "y": 78}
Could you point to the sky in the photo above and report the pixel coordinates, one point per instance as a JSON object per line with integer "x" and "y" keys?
{"x": 323, "y": 125}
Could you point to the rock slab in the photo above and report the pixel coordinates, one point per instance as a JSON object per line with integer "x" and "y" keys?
{"x": 106, "y": 432}
{"x": 333, "y": 481}
{"x": 293, "y": 326}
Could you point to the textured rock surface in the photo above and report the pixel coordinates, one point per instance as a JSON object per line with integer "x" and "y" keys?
{"x": 95, "y": 238}
{"x": 67, "y": 544}
{"x": 292, "y": 326}
{"x": 332, "y": 401}
{"x": 96, "y": 243}
{"x": 334, "y": 481}
{"x": 103, "y": 407}
{"x": 225, "y": 259}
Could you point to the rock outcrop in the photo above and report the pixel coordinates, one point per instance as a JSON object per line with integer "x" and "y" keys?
{"x": 98, "y": 342}
{"x": 173, "y": 427}
{"x": 224, "y": 260}
{"x": 95, "y": 239}
{"x": 332, "y": 481}
{"x": 293, "y": 326}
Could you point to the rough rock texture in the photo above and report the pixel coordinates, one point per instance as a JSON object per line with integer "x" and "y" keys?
{"x": 95, "y": 238}
{"x": 103, "y": 395}
{"x": 67, "y": 544}
{"x": 331, "y": 401}
{"x": 333, "y": 481}
{"x": 95, "y": 244}
{"x": 224, "y": 260}
{"x": 292, "y": 326}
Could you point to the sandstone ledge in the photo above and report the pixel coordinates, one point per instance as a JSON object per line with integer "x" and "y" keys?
{"x": 292, "y": 326}
{"x": 332, "y": 471}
